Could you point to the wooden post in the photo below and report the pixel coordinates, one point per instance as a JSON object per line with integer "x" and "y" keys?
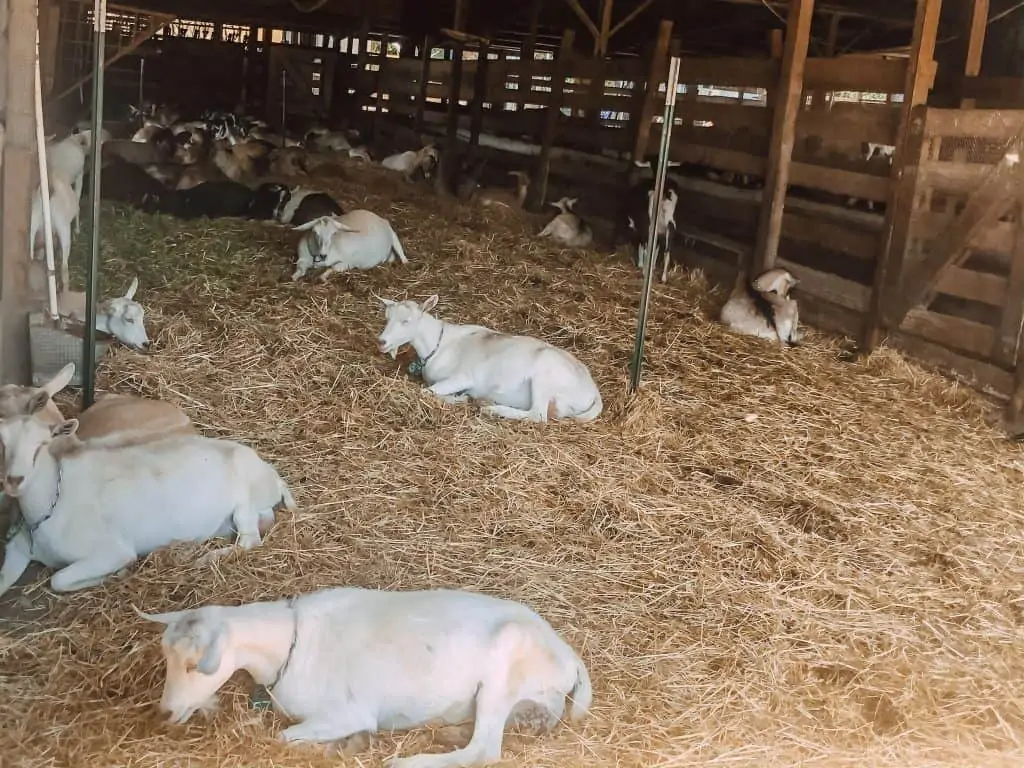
{"x": 776, "y": 44}
{"x": 476, "y": 119}
{"x": 421, "y": 101}
{"x": 658, "y": 67}
{"x": 526, "y": 58}
{"x": 454, "y": 92}
{"x": 49, "y": 31}
{"x": 364, "y": 53}
{"x": 899, "y": 199}
{"x": 538, "y": 191}
{"x": 788, "y": 102}
{"x": 378, "y": 106}
{"x": 18, "y": 183}
{"x": 601, "y": 44}
{"x": 1007, "y": 340}
{"x": 975, "y": 42}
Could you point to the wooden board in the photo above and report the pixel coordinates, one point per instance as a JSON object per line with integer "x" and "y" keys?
{"x": 850, "y": 122}
{"x": 856, "y": 73}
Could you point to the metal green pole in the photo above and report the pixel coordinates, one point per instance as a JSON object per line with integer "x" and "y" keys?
{"x": 99, "y": 26}
{"x": 659, "y": 190}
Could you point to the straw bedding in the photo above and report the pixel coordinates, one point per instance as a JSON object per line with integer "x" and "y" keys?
{"x": 766, "y": 558}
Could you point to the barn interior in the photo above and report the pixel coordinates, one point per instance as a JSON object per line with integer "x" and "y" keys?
{"x": 766, "y": 556}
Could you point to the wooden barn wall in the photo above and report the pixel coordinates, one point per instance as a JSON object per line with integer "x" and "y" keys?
{"x": 722, "y": 133}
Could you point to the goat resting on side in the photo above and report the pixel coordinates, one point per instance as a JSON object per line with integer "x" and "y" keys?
{"x": 764, "y": 308}
{"x": 348, "y": 660}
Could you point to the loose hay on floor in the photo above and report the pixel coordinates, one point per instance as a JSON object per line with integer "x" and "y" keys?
{"x": 767, "y": 558}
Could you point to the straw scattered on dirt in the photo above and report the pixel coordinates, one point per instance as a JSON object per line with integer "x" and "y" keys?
{"x": 767, "y": 558}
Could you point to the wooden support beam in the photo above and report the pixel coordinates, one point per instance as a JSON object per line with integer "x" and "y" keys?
{"x": 984, "y": 208}
{"x": 1008, "y": 337}
{"x": 421, "y": 99}
{"x": 918, "y": 82}
{"x": 476, "y": 115}
{"x": 18, "y": 182}
{"x": 978, "y": 10}
{"x": 788, "y": 102}
{"x": 658, "y": 68}
{"x": 539, "y": 190}
{"x": 629, "y": 17}
{"x": 49, "y": 32}
{"x": 454, "y": 92}
{"x": 378, "y": 86}
{"x": 526, "y": 59}
{"x": 584, "y": 17}
{"x": 601, "y": 43}
{"x": 776, "y": 43}
{"x": 833, "y": 34}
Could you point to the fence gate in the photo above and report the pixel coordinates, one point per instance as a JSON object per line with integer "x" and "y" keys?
{"x": 958, "y": 242}
{"x": 307, "y": 81}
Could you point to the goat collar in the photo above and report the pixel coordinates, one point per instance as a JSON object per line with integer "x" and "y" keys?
{"x": 31, "y": 528}
{"x": 417, "y": 366}
{"x": 291, "y": 649}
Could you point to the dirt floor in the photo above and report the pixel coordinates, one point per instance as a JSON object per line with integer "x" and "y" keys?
{"x": 767, "y": 558}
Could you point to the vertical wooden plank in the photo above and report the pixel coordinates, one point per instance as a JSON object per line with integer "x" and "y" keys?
{"x": 18, "y": 181}
{"x": 776, "y": 40}
{"x": 780, "y": 153}
{"x": 421, "y": 101}
{"x": 49, "y": 31}
{"x": 975, "y": 42}
{"x": 601, "y": 43}
{"x": 378, "y": 106}
{"x": 454, "y": 91}
{"x": 361, "y": 80}
{"x": 476, "y": 119}
{"x": 658, "y": 69}
{"x": 1006, "y": 347}
{"x": 526, "y": 59}
{"x": 901, "y": 196}
{"x": 539, "y": 190}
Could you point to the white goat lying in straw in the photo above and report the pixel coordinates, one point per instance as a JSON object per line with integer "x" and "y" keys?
{"x": 409, "y": 162}
{"x": 567, "y": 227}
{"x": 764, "y": 308}
{"x": 90, "y": 511}
{"x": 354, "y": 240}
{"x": 122, "y": 317}
{"x": 523, "y": 377}
{"x": 347, "y": 660}
{"x": 111, "y": 420}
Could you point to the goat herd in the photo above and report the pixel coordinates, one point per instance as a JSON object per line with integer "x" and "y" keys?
{"x": 94, "y": 494}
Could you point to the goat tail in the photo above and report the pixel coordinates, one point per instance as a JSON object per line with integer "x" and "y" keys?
{"x": 396, "y": 245}
{"x": 582, "y": 695}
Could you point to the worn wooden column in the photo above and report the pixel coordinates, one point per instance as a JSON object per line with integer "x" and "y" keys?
{"x": 18, "y": 181}
{"x": 978, "y": 10}
{"x": 476, "y": 118}
{"x": 788, "y": 101}
{"x": 378, "y": 81}
{"x": 455, "y": 84}
{"x": 421, "y": 100}
{"x": 539, "y": 190}
{"x": 526, "y": 59}
{"x": 919, "y": 78}
{"x": 657, "y": 69}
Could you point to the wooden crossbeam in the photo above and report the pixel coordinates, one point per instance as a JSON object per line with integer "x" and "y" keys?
{"x": 585, "y": 18}
{"x": 994, "y": 199}
{"x": 157, "y": 21}
{"x": 464, "y": 37}
{"x": 629, "y": 17}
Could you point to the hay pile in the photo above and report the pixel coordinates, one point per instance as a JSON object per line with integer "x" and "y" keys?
{"x": 765, "y": 559}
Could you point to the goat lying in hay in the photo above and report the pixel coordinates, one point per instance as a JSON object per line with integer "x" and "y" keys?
{"x": 355, "y": 240}
{"x": 90, "y": 511}
{"x": 522, "y": 377}
{"x": 349, "y": 660}
{"x": 568, "y": 227}
{"x": 764, "y": 308}
{"x": 111, "y": 420}
{"x": 122, "y": 317}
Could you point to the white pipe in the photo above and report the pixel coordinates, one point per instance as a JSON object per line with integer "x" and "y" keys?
{"x": 44, "y": 188}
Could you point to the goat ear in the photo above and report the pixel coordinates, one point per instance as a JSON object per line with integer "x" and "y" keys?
{"x": 430, "y": 303}
{"x": 387, "y": 302}
{"x": 209, "y": 663}
{"x": 306, "y": 227}
{"x": 130, "y": 293}
{"x": 161, "y": 618}
{"x": 66, "y": 428}
{"x": 37, "y": 402}
{"x": 61, "y": 380}
{"x": 571, "y": 201}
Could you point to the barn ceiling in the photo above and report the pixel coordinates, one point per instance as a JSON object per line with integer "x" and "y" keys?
{"x": 737, "y": 27}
